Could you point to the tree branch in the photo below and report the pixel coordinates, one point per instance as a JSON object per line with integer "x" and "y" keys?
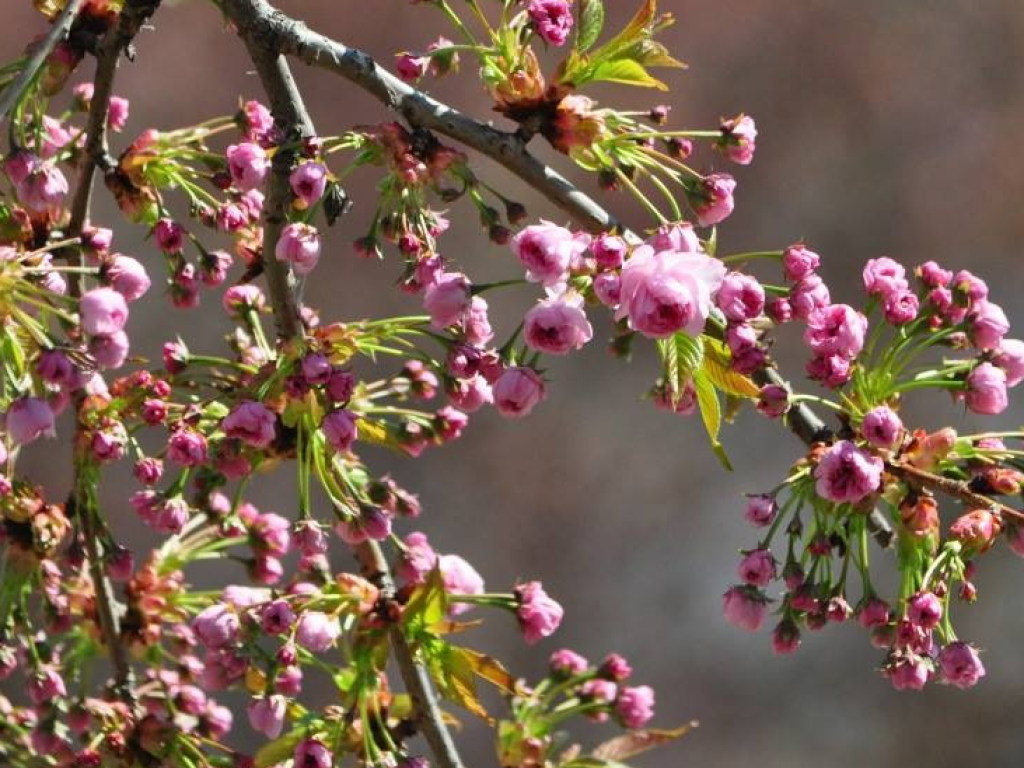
{"x": 58, "y": 32}
{"x": 958, "y": 489}
{"x": 293, "y": 120}
{"x": 132, "y": 17}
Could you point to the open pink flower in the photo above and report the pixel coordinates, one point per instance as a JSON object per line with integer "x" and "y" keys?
{"x": 248, "y": 165}
{"x": 552, "y": 19}
{"x": 557, "y": 325}
{"x": 103, "y": 311}
{"x": 546, "y": 250}
{"x": 668, "y": 291}
{"x": 539, "y": 615}
{"x": 847, "y": 474}
{"x": 986, "y": 390}
{"x": 836, "y": 330}
{"x": 28, "y": 419}
{"x": 517, "y": 391}
{"x": 252, "y": 423}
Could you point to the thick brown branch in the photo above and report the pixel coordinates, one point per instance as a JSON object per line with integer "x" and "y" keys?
{"x": 954, "y": 488}
{"x": 132, "y": 17}
{"x": 58, "y": 32}
{"x": 294, "y": 122}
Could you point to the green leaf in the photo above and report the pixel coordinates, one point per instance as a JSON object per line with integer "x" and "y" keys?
{"x": 627, "y": 72}
{"x": 490, "y": 669}
{"x": 717, "y": 367}
{"x": 683, "y": 355}
{"x": 279, "y": 750}
{"x": 428, "y": 605}
{"x": 591, "y": 23}
{"x": 711, "y": 413}
{"x": 453, "y": 671}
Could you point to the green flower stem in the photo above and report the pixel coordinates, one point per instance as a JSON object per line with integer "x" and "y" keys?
{"x": 734, "y": 257}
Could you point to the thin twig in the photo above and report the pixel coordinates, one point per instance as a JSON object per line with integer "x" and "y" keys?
{"x": 132, "y": 17}
{"x": 58, "y": 32}
{"x": 958, "y": 489}
{"x": 292, "y": 119}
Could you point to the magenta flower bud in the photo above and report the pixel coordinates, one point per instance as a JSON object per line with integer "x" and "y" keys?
{"x": 411, "y": 68}
{"x": 847, "y": 474}
{"x": 109, "y": 444}
{"x": 539, "y": 615}
{"x": 213, "y": 267}
{"x": 277, "y": 617}
{"x": 299, "y": 245}
{"x": 448, "y": 299}
{"x": 773, "y": 401}
{"x": 187, "y": 448}
{"x": 986, "y": 390}
{"x": 744, "y": 607}
{"x": 476, "y": 325}
{"x": 901, "y": 307}
{"x": 289, "y": 680}
{"x": 565, "y": 663}
{"x": 785, "y": 638}
{"x": 117, "y": 114}
{"x": 311, "y": 753}
{"x": 102, "y": 311}
{"x": 551, "y": 19}
{"x": 240, "y": 298}
{"x": 44, "y": 685}
{"x": 308, "y": 182}
{"x": 668, "y": 291}
{"x": 557, "y": 325}
{"x": 873, "y": 613}
{"x": 740, "y": 297}
{"x": 339, "y": 427}
{"x": 256, "y": 121}
{"x": 909, "y": 673}
{"x": 602, "y": 691}
{"x": 517, "y": 391}
{"x": 469, "y": 394}
{"x": 317, "y": 631}
{"x": 609, "y": 251}
{"x": 340, "y": 386}
{"x": 712, "y": 200}
{"x": 738, "y": 139}
{"x": 248, "y": 165}
{"x": 884, "y": 277}
{"x": 1010, "y": 358}
{"x": 43, "y": 190}
{"x": 809, "y": 294}
{"x": 252, "y": 423}
{"x": 757, "y": 568}
{"x": 459, "y": 578}
{"x": 216, "y": 626}
{"x": 960, "y": 665}
{"x": 934, "y": 276}
{"x": 273, "y": 533}
{"x": 836, "y": 330}
{"x": 316, "y": 369}
{"x": 831, "y": 370}
{"x": 169, "y": 235}
{"x": 675, "y": 237}
{"x": 266, "y": 715}
{"x": 615, "y": 667}
{"x": 28, "y": 419}
{"x": 175, "y": 356}
{"x": 799, "y": 263}
{"x": 970, "y": 287}
{"x": 418, "y": 559}
{"x": 986, "y": 325}
{"x": 761, "y": 510}
{"x": 881, "y": 427}
{"x": 148, "y": 471}
{"x": 546, "y": 250}
{"x": 924, "y": 610}
{"x": 635, "y": 706}
{"x": 55, "y": 367}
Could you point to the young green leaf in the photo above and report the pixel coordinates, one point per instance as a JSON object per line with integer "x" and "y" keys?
{"x": 591, "y": 23}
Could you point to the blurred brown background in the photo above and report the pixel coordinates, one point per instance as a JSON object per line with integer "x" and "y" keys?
{"x": 886, "y": 128}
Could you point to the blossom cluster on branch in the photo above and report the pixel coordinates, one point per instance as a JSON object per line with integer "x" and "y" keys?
{"x": 293, "y": 389}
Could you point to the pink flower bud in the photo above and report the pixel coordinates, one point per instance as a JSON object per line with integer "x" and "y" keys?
{"x": 635, "y": 706}
{"x": 317, "y": 631}
{"x": 934, "y": 276}
{"x": 960, "y": 665}
{"x": 712, "y": 200}
{"x": 109, "y": 350}
{"x": 277, "y": 617}
{"x": 836, "y": 330}
{"x": 102, "y": 311}
{"x": 448, "y": 299}
{"x": 1010, "y": 357}
{"x": 799, "y": 262}
{"x": 740, "y": 297}
{"x": 882, "y": 427}
{"x": 608, "y": 288}
{"x": 539, "y": 615}
{"x": 986, "y": 325}
{"x": 738, "y": 139}
{"x": 117, "y": 114}
{"x": 252, "y": 423}
{"x": 299, "y": 245}
{"x": 459, "y": 578}
{"x": 216, "y": 626}
{"x": 761, "y": 510}
{"x": 311, "y": 753}
{"x": 609, "y": 251}
{"x": 148, "y": 470}
{"x": 518, "y": 391}
{"x": 29, "y": 418}
{"x": 785, "y": 638}
{"x": 565, "y": 663}
{"x": 757, "y": 568}
{"x": 551, "y": 19}
{"x": 339, "y": 428}
{"x": 909, "y": 673}
{"x": 267, "y": 714}
{"x": 884, "y": 277}
{"x": 308, "y": 182}
{"x": 248, "y": 165}
{"x": 809, "y": 294}
{"x": 615, "y": 667}
{"x": 411, "y": 68}
{"x": 127, "y": 276}
{"x": 546, "y": 250}
{"x": 924, "y": 610}
{"x": 900, "y": 307}
{"x": 986, "y": 390}
{"x": 744, "y": 607}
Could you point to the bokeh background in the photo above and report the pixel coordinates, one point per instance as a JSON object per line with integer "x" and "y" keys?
{"x": 886, "y": 128}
